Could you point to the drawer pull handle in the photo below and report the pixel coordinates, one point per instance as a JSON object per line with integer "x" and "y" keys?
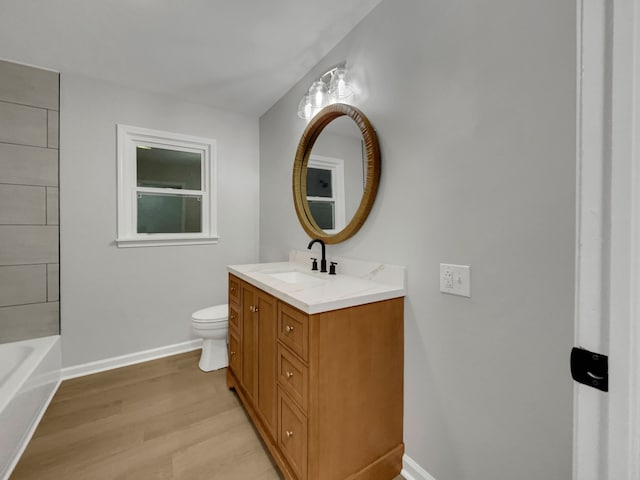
{"x": 253, "y": 309}
{"x": 289, "y": 433}
{"x": 233, "y": 316}
{"x": 288, "y": 329}
{"x": 233, "y": 289}
{"x": 232, "y": 353}
{"x": 289, "y": 374}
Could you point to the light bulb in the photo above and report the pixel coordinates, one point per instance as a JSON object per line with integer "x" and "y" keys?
{"x": 318, "y": 93}
{"x": 304, "y": 108}
{"x": 339, "y": 87}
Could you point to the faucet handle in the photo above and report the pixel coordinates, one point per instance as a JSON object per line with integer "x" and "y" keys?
{"x": 314, "y": 266}
{"x": 332, "y": 268}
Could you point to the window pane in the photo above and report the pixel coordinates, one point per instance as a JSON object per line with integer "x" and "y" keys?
{"x": 319, "y": 183}
{"x": 323, "y": 214}
{"x": 169, "y": 214}
{"x": 161, "y": 168}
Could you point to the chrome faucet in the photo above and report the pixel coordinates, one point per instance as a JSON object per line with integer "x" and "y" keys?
{"x": 323, "y": 261}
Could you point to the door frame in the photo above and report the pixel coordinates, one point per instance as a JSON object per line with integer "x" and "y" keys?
{"x": 607, "y": 425}
{"x": 624, "y": 332}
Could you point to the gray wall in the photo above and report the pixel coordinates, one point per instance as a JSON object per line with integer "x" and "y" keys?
{"x": 29, "y": 264}
{"x": 474, "y": 104}
{"x": 124, "y": 300}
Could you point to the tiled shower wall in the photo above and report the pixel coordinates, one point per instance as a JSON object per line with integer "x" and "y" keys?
{"x": 29, "y": 245}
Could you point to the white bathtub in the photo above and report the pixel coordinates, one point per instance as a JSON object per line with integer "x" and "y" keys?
{"x": 29, "y": 376}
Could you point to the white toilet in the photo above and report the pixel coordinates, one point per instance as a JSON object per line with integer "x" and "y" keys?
{"x": 212, "y": 324}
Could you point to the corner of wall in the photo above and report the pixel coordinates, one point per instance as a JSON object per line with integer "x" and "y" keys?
{"x": 412, "y": 471}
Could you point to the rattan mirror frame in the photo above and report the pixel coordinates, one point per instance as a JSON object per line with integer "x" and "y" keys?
{"x": 307, "y": 140}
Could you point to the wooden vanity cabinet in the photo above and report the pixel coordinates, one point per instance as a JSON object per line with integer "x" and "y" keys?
{"x": 258, "y": 312}
{"x": 325, "y": 391}
{"x": 249, "y": 340}
{"x": 234, "y": 344}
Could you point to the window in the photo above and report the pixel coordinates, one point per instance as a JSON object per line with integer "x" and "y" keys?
{"x": 166, "y": 188}
{"x": 325, "y": 192}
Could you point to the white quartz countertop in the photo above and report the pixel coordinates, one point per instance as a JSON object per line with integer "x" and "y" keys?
{"x": 357, "y": 282}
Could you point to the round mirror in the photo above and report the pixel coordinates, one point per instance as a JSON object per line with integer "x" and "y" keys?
{"x": 336, "y": 173}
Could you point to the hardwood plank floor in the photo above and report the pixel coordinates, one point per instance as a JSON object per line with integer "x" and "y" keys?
{"x": 159, "y": 420}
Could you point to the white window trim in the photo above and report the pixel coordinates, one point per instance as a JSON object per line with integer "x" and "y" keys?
{"x": 336, "y": 166}
{"x": 129, "y": 137}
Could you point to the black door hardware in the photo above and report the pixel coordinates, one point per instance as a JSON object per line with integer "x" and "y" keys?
{"x": 590, "y": 368}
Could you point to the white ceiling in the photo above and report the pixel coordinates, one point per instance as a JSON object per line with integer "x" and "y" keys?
{"x": 238, "y": 55}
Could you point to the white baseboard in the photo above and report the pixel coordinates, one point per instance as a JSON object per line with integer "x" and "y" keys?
{"x": 129, "y": 359}
{"x": 412, "y": 471}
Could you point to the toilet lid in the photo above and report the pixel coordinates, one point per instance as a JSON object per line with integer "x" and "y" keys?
{"x": 216, "y": 313}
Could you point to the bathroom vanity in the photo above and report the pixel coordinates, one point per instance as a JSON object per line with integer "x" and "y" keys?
{"x": 317, "y": 362}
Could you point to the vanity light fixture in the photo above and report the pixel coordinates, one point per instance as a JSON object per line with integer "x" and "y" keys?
{"x": 331, "y": 87}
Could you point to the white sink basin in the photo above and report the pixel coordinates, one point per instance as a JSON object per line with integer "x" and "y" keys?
{"x": 295, "y": 277}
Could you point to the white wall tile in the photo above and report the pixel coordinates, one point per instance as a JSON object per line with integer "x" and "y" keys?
{"x": 23, "y": 284}
{"x": 53, "y": 282}
{"x": 21, "y": 245}
{"x": 52, "y": 206}
{"x": 22, "y": 205}
{"x": 28, "y": 85}
{"x": 25, "y": 165}
{"x": 29, "y": 122}
{"x": 29, "y": 321}
{"x": 23, "y": 125}
{"x": 53, "y": 126}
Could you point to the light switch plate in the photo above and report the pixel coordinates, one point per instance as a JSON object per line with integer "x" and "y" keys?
{"x": 455, "y": 279}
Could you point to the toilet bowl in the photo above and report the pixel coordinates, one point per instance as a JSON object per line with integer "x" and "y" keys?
{"x": 211, "y": 324}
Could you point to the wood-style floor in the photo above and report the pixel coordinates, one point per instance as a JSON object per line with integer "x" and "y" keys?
{"x": 163, "y": 419}
{"x": 159, "y": 420}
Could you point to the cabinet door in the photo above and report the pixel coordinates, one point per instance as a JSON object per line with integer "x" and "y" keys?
{"x": 249, "y": 296}
{"x": 267, "y": 358}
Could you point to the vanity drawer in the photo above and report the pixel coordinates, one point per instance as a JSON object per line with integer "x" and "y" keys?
{"x": 293, "y": 377}
{"x": 293, "y": 329}
{"x": 234, "y": 318}
{"x": 234, "y": 289}
{"x": 235, "y": 355}
{"x": 292, "y": 435}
